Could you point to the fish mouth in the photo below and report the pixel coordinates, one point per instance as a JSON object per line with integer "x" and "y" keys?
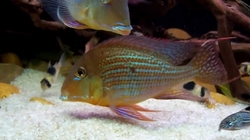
{"x": 66, "y": 97}
{"x": 63, "y": 97}
{"x": 122, "y": 29}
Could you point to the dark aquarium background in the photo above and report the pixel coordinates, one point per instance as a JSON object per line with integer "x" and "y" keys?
{"x": 20, "y": 36}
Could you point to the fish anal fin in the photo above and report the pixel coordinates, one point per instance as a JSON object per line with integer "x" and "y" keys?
{"x": 180, "y": 93}
{"x": 176, "y": 92}
{"x": 182, "y": 96}
{"x": 131, "y": 112}
{"x": 170, "y": 95}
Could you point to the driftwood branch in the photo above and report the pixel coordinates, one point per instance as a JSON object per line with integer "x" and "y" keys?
{"x": 29, "y": 6}
{"x": 239, "y": 37}
{"x": 241, "y": 47}
{"x": 234, "y": 14}
{"x": 34, "y": 9}
{"x": 225, "y": 13}
{"x": 52, "y": 25}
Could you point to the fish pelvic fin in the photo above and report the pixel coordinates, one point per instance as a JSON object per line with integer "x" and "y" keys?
{"x": 210, "y": 68}
{"x": 131, "y": 111}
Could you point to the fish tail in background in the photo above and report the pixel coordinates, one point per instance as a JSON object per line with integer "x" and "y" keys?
{"x": 211, "y": 70}
{"x": 62, "y": 59}
{"x": 59, "y": 65}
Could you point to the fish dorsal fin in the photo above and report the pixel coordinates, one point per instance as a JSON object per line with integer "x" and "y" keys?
{"x": 176, "y": 52}
{"x": 159, "y": 39}
{"x": 58, "y": 10}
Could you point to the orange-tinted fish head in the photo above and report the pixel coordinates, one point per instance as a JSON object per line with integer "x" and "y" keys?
{"x": 108, "y": 15}
{"x": 81, "y": 84}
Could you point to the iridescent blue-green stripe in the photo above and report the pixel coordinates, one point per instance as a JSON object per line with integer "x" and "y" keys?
{"x": 136, "y": 72}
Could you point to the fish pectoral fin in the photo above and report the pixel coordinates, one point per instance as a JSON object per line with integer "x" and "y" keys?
{"x": 131, "y": 112}
{"x": 65, "y": 17}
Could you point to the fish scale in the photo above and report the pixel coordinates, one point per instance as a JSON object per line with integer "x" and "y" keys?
{"x": 148, "y": 71}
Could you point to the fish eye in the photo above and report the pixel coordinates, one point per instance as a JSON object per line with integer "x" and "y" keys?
{"x": 106, "y": 1}
{"x": 81, "y": 72}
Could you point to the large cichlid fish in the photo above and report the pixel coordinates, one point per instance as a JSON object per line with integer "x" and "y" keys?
{"x": 107, "y": 15}
{"x": 122, "y": 71}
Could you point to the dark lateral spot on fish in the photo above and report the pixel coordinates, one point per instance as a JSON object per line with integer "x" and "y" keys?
{"x": 189, "y": 85}
{"x": 248, "y": 108}
{"x": 132, "y": 69}
{"x": 46, "y": 82}
{"x": 202, "y": 92}
{"x": 245, "y": 96}
{"x": 51, "y": 70}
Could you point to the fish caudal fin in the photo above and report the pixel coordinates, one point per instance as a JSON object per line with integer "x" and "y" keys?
{"x": 58, "y": 10}
{"x": 58, "y": 66}
{"x": 131, "y": 111}
{"x": 62, "y": 59}
{"x": 210, "y": 68}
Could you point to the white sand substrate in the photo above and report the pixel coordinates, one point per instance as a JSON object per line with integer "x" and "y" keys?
{"x": 21, "y": 119}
